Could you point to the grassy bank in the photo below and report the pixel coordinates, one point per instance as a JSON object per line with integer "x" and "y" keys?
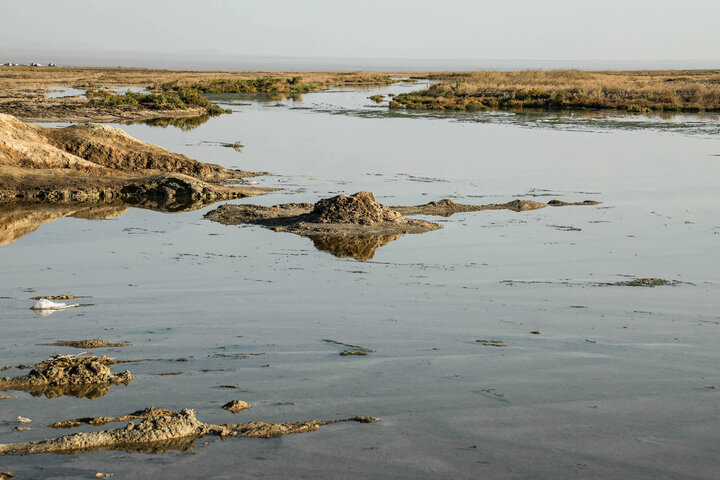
{"x": 642, "y": 91}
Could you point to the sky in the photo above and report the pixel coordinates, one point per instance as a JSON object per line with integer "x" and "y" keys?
{"x": 542, "y": 32}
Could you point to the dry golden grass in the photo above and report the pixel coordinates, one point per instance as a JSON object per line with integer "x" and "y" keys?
{"x": 677, "y": 90}
{"x": 13, "y": 79}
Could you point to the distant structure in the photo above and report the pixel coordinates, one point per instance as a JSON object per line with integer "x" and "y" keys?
{"x": 33, "y": 64}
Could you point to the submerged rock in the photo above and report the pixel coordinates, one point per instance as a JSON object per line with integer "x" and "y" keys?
{"x": 236, "y": 406}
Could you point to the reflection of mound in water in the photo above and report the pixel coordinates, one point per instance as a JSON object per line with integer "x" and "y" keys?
{"x": 360, "y": 247}
{"x": 91, "y": 391}
{"x": 88, "y": 377}
{"x": 161, "y": 431}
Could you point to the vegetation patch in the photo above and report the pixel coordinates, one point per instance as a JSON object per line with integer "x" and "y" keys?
{"x": 181, "y": 98}
{"x": 642, "y": 91}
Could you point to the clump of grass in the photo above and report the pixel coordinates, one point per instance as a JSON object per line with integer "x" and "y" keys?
{"x": 377, "y": 98}
{"x": 661, "y": 91}
{"x": 180, "y": 99}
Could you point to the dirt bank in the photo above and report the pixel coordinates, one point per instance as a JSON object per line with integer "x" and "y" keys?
{"x": 88, "y": 377}
{"x": 160, "y": 431}
{"x": 97, "y": 163}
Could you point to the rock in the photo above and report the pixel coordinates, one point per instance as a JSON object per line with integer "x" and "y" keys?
{"x": 236, "y": 406}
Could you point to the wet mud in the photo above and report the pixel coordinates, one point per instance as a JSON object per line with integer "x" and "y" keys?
{"x": 161, "y": 431}
{"x": 76, "y": 376}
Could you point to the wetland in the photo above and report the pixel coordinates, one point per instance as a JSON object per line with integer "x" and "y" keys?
{"x": 518, "y": 340}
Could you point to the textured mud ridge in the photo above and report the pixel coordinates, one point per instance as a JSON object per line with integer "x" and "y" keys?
{"x": 88, "y": 377}
{"x": 356, "y": 225}
{"x": 161, "y": 431}
{"x": 99, "y": 163}
{"x": 447, "y": 207}
{"x": 84, "y": 344}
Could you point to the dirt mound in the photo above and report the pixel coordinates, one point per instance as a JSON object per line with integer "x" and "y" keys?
{"x": 160, "y": 431}
{"x": 68, "y": 375}
{"x": 98, "y": 163}
{"x": 111, "y": 147}
{"x": 26, "y": 146}
{"x": 359, "y": 209}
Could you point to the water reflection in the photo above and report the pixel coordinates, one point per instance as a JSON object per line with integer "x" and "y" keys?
{"x": 89, "y": 391}
{"x": 18, "y": 219}
{"x": 183, "y": 123}
{"x": 359, "y": 247}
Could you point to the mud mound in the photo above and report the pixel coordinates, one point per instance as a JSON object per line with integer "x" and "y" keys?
{"x": 68, "y": 375}
{"x": 160, "y": 431}
{"x": 26, "y": 146}
{"x": 359, "y": 209}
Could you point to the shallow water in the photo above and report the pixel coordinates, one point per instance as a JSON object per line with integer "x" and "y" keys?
{"x": 618, "y": 388}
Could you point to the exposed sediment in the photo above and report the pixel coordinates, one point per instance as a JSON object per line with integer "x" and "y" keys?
{"x": 77, "y": 376}
{"x": 160, "y": 431}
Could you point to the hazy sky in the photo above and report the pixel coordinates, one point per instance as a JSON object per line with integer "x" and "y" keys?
{"x": 396, "y": 29}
